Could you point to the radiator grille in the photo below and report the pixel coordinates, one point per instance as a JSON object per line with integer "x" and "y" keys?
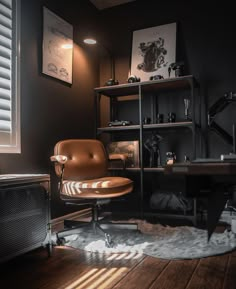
{"x": 23, "y": 218}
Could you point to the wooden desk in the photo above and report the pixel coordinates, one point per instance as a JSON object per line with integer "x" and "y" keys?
{"x": 218, "y": 193}
{"x": 212, "y": 168}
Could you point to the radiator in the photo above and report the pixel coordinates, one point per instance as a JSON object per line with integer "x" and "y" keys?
{"x": 24, "y": 218}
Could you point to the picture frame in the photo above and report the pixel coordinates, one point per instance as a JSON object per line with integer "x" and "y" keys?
{"x": 57, "y": 54}
{"x": 128, "y": 148}
{"x": 153, "y": 50}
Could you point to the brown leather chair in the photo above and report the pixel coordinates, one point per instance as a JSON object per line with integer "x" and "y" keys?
{"x": 82, "y": 166}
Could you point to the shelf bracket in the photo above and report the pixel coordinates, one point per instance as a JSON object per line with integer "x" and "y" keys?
{"x": 216, "y": 108}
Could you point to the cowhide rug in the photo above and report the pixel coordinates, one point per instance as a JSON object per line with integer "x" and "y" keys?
{"x": 180, "y": 242}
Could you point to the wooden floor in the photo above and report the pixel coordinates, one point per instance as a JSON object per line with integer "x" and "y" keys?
{"x": 69, "y": 268}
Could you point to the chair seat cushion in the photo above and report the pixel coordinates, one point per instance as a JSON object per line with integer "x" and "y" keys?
{"x": 107, "y": 187}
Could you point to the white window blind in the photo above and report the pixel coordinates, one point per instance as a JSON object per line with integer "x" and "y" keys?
{"x": 9, "y": 88}
{"x": 5, "y": 64}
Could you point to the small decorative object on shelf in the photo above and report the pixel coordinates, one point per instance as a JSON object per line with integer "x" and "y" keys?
{"x": 186, "y": 109}
{"x": 156, "y": 77}
{"x": 170, "y": 158}
{"x": 147, "y": 120}
{"x": 178, "y": 67}
{"x": 152, "y": 145}
{"x": 119, "y": 123}
{"x": 160, "y": 118}
{"x": 186, "y": 159}
{"x": 171, "y": 117}
{"x": 111, "y": 82}
{"x": 133, "y": 78}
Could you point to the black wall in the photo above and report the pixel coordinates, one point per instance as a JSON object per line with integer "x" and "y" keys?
{"x": 51, "y": 109}
{"x": 205, "y": 41}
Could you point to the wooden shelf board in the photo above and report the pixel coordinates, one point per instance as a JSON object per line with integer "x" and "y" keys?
{"x": 119, "y": 128}
{"x": 146, "y": 86}
{"x": 160, "y": 169}
{"x": 169, "y": 125}
{"x": 147, "y": 126}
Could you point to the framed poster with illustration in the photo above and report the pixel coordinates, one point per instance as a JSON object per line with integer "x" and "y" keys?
{"x": 153, "y": 50}
{"x": 57, "y": 46}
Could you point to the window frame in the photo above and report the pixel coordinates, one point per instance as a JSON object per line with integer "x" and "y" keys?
{"x": 15, "y": 145}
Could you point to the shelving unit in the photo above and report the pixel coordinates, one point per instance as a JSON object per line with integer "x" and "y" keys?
{"x": 150, "y": 96}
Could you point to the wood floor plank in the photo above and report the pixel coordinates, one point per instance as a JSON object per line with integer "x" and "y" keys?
{"x": 210, "y": 273}
{"x": 233, "y": 253}
{"x": 143, "y": 274}
{"x": 230, "y": 277}
{"x": 67, "y": 268}
{"x": 70, "y": 269}
{"x": 46, "y": 272}
{"x": 105, "y": 274}
{"x": 176, "y": 275}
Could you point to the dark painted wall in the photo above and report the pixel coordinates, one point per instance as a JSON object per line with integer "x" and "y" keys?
{"x": 205, "y": 41}
{"x": 50, "y": 109}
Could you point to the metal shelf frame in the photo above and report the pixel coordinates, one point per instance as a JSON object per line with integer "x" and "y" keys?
{"x": 140, "y": 89}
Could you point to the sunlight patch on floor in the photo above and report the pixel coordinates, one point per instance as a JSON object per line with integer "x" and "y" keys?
{"x": 126, "y": 256}
{"x": 97, "y": 278}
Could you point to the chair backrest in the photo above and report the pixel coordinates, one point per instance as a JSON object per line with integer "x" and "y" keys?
{"x": 87, "y": 159}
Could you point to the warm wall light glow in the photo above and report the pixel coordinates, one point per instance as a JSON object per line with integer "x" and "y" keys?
{"x": 67, "y": 46}
{"x": 90, "y": 41}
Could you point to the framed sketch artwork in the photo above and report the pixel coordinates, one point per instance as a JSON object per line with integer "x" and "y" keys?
{"x": 153, "y": 50}
{"x": 57, "y": 46}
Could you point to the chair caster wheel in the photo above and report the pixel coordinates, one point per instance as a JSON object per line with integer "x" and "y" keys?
{"x": 61, "y": 241}
{"x": 108, "y": 242}
{"x": 49, "y": 249}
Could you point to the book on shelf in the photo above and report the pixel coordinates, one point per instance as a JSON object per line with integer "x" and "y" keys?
{"x": 128, "y": 148}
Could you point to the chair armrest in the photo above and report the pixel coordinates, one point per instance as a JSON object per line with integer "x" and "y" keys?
{"x": 114, "y": 157}
{"x": 59, "y": 159}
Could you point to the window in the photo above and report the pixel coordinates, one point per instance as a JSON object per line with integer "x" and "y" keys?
{"x": 9, "y": 76}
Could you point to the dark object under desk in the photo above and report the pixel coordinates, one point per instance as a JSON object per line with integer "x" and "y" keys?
{"x": 199, "y": 180}
{"x": 24, "y": 214}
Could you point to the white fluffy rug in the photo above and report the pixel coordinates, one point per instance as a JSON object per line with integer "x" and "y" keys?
{"x": 181, "y": 242}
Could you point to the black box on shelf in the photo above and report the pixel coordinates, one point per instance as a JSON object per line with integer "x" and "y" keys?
{"x": 129, "y": 148}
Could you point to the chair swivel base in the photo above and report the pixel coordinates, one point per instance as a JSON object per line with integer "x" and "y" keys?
{"x": 75, "y": 227}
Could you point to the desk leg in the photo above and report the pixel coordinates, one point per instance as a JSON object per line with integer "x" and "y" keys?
{"x": 216, "y": 204}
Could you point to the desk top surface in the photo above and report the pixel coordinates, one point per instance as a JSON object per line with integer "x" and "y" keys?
{"x": 206, "y": 168}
